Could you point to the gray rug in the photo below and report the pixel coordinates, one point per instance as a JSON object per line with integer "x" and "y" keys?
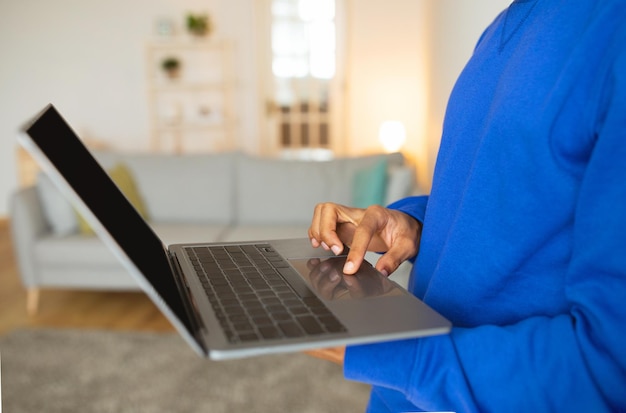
{"x": 99, "y": 371}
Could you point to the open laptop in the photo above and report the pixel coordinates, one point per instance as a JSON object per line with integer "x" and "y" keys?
{"x": 235, "y": 299}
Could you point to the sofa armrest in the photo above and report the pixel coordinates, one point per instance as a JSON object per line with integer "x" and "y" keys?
{"x": 28, "y": 223}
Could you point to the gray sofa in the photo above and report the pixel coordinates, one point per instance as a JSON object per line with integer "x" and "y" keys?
{"x": 189, "y": 198}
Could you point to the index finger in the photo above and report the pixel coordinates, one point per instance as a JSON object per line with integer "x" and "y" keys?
{"x": 363, "y": 235}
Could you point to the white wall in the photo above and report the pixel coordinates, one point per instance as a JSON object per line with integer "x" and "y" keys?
{"x": 87, "y": 57}
{"x": 386, "y": 77}
{"x": 405, "y": 56}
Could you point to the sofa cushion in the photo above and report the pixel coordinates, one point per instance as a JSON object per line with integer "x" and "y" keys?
{"x": 185, "y": 188}
{"x": 370, "y": 185}
{"x": 400, "y": 183}
{"x": 76, "y": 249}
{"x": 56, "y": 208}
{"x": 273, "y": 191}
{"x": 348, "y": 169}
{"x": 178, "y": 233}
{"x": 283, "y": 191}
{"x": 264, "y": 232}
{"x": 91, "y": 251}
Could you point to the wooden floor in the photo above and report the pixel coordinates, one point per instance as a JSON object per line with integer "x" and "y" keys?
{"x": 70, "y": 308}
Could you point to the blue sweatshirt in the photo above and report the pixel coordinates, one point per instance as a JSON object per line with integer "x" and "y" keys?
{"x": 524, "y": 239}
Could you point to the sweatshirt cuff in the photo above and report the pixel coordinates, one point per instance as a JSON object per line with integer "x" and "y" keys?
{"x": 387, "y": 364}
{"x": 414, "y": 206}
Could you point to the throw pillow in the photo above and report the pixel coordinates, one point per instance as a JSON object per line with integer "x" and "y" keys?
{"x": 370, "y": 184}
{"x": 400, "y": 183}
{"x": 123, "y": 178}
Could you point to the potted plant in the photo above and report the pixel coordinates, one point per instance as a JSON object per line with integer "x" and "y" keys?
{"x": 171, "y": 66}
{"x": 198, "y": 24}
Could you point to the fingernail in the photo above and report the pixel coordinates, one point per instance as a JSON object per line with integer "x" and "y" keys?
{"x": 348, "y": 267}
{"x": 314, "y": 243}
{"x": 325, "y": 246}
{"x": 336, "y": 249}
{"x": 384, "y": 272}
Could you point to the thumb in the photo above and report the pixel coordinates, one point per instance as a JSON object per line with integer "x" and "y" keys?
{"x": 387, "y": 264}
{"x": 391, "y": 260}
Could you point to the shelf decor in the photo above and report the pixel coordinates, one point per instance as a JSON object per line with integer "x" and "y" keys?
{"x": 171, "y": 66}
{"x": 199, "y": 24}
{"x": 191, "y": 94}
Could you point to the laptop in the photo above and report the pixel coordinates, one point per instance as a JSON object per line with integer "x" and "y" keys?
{"x": 231, "y": 300}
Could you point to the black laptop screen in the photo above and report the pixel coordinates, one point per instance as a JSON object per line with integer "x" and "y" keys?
{"x": 83, "y": 173}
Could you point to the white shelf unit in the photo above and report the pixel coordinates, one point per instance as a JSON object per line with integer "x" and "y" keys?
{"x": 192, "y": 112}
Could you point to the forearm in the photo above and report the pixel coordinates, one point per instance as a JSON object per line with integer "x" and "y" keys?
{"x": 537, "y": 363}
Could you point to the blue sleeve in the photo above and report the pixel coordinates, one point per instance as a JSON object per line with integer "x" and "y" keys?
{"x": 575, "y": 361}
{"x": 414, "y": 206}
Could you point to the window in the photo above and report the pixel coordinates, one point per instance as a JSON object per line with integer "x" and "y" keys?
{"x": 303, "y": 39}
{"x": 304, "y": 75}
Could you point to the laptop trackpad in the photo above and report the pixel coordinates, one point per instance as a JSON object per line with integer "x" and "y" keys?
{"x": 326, "y": 278}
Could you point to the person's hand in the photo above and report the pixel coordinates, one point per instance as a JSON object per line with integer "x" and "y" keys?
{"x": 375, "y": 229}
{"x": 334, "y": 354}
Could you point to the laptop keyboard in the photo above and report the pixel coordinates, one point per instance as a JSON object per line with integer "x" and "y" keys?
{"x": 256, "y": 295}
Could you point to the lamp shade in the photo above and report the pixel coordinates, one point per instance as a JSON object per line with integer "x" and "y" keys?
{"x": 392, "y": 135}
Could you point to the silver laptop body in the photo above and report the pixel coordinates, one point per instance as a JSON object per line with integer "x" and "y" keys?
{"x": 294, "y": 298}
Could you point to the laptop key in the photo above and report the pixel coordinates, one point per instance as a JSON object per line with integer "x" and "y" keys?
{"x": 299, "y": 310}
{"x": 269, "y": 332}
{"x": 262, "y": 296}
{"x": 248, "y": 337}
{"x": 296, "y": 282}
{"x": 262, "y": 321}
{"x": 282, "y": 316}
{"x": 242, "y": 326}
{"x": 310, "y": 325}
{"x": 238, "y": 317}
{"x": 290, "y": 329}
{"x": 332, "y": 324}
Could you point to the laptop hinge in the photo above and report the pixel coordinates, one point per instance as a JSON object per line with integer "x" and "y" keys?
{"x": 183, "y": 288}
